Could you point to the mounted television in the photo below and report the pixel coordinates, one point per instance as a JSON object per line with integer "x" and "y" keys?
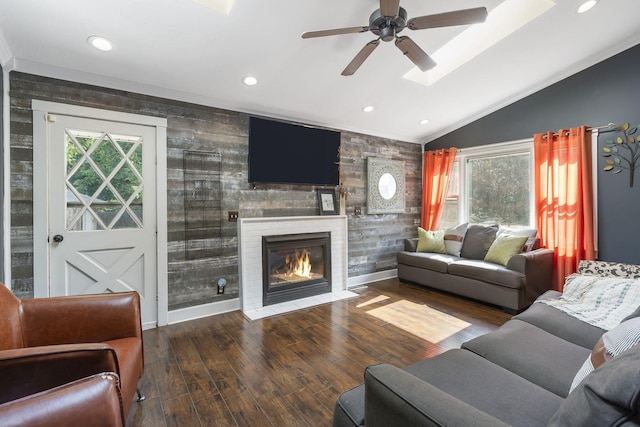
{"x": 285, "y": 153}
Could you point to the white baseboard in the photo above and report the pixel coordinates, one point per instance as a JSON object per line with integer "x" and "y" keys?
{"x": 373, "y": 277}
{"x": 200, "y": 311}
{"x": 204, "y": 310}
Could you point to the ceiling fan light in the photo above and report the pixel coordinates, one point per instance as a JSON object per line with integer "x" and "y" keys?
{"x": 250, "y": 81}
{"x": 587, "y": 6}
{"x": 100, "y": 43}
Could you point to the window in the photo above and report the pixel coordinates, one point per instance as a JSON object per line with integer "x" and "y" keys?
{"x": 492, "y": 185}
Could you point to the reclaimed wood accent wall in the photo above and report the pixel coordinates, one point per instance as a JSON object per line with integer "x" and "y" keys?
{"x": 373, "y": 239}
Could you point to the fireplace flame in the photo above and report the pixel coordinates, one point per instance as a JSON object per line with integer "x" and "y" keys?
{"x": 301, "y": 266}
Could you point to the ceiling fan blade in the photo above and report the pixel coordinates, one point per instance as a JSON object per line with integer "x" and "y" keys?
{"x": 447, "y": 19}
{"x": 415, "y": 53}
{"x": 389, "y": 8}
{"x": 360, "y": 57}
{"x": 336, "y": 32}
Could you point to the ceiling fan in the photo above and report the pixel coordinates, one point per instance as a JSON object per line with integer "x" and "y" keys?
{"x": 389, "y": 20}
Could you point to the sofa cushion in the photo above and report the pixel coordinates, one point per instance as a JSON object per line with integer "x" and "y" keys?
{"x": 609, "y": 396}
{"x": 430, "y": 261}
{"x": 454, "y": 237}
{"x": 487, "y": 387}
{"x": 504, "y": 247}
{"x": 477, "y": 241}
{"x": 431, "y": 241}
{"x": 533, "y": 354}
{"x": 487, "y": 272}
{"x": 560, "y": 324}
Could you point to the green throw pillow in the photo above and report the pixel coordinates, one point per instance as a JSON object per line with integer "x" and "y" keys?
{"x": 504, "y": 247}
{"x": 431, "y": 241}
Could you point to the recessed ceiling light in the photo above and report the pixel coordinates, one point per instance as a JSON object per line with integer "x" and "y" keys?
{"x": 423, "y": 122}
{"x": 368, "y": 109}
{"x": 250, "y": 81}
{"x": 100, "y": 43}
{"x": 587, "y": 6}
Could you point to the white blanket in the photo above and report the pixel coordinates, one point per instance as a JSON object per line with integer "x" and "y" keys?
{"x": 599, "y": 301}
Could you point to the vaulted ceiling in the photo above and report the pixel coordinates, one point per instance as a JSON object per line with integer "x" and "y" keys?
{"x": 192, "y": 50}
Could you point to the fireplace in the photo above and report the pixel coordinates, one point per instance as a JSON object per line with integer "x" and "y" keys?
{"x": 295, "y": 266}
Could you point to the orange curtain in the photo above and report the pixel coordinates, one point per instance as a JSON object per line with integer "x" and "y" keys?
{"x": 564, "y": 198}
{"x": 435, "y": 180}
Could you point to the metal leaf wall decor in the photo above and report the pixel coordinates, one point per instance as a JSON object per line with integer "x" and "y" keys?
{"x": 623, "y": 152}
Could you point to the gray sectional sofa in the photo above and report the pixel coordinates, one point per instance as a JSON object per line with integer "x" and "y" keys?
{"x": 513, "y": 286}
{"x": 518, "y": 375}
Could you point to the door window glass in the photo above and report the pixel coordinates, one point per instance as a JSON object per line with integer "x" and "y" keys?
{"x": 104, "y": 181}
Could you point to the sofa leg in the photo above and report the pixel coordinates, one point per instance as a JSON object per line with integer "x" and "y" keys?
{"x": 141, "y": 397}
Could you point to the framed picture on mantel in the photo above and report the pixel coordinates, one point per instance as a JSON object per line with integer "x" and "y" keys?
{"x": 327, "y": 202}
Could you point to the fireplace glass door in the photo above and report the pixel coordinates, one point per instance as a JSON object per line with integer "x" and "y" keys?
{"x": 295, "y": 266}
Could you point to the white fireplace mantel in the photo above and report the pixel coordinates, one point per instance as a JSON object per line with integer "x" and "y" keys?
{"x": 250, "y": 233}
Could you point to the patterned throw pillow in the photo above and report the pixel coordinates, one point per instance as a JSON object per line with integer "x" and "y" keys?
{"x": 504, "y": 247}
{"x": 609, "y": 269}
{"x": 431, "y": 241}
{"x": 453, "y": 238}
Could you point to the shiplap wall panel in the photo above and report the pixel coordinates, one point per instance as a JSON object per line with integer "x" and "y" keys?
{"x": 373, "y": 239}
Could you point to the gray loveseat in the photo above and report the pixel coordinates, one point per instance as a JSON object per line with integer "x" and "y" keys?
{"x": 518, "y": 375}
{"x": 513, "y": 286}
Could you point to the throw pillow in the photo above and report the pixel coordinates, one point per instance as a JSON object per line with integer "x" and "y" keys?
{"x": 609, "y": 269}
{"x": 478, "y": 240}
{"x": 504, "y": 247}
{"x": 618, "y": 340}
{"x": 607, "y": 397}
{"x": 453, "y": 238}
{"x": 431, "y": 241}
{"x": 530, "y": 233}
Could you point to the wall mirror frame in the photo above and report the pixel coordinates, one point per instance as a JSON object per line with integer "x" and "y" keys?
{"x": 385, "y": 186}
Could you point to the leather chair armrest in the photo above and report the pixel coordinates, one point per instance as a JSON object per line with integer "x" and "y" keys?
{"x": 26, "y": 371}
{"x": 394, "y": 397}
{"x": 537, "y": 266}
{"x": 86, "y": 318}
{"x": 94, "y": 401}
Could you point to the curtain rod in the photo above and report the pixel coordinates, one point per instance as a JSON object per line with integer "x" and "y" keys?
{"x": 610, "y": 127}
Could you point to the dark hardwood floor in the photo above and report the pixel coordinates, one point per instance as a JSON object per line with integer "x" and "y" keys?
{"x": 289, "y": 369}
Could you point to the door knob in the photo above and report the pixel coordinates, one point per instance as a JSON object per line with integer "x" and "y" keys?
{"x": 58, "y": 238}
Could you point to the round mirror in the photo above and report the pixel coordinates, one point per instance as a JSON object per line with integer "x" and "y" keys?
{"x": 387, "y": 186}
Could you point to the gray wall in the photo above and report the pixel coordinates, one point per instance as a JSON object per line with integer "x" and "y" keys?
{"x": 373, "y": 239}
{"x": 606, "y": 92}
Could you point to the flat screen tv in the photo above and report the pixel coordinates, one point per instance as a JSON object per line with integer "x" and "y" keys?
{"x": 286, "y": 153}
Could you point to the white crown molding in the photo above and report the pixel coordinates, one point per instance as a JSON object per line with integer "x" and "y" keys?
{"x": 45, "y": 70}
{"x": 5, "y": 52}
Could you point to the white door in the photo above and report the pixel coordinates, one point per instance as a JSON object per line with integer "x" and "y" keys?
{"x": 101, "y": 203}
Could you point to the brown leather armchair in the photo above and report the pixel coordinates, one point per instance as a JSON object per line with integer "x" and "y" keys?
{"x": 64, "y": 339}
{"x": 94, "y": 400}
